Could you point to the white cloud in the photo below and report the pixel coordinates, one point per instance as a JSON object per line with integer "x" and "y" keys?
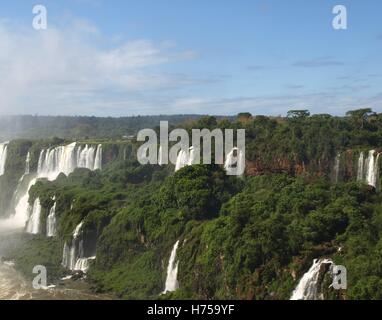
{"x": 55, "y": 71}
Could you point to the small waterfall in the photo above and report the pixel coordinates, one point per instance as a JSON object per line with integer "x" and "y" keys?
{"x": 98, "y": 158}
{"x": 3, "y": 156}
{"x": 27, "y": 164}
{"x": 372, "y": 168}
{"x": 337, "y": 167}
{"x": 185, "y": 158}
{"x": 370, "y": 174}
{"x": 51, "y": 222}
{"x": 33, "y": 224}
{"x": 73, "y": 255}
{"x": 235, "y": 165}
{"x": 361, "y": 165}
{"x": 82, "y": 264}
{"x": 308, "y": 287}
{"x": 368, "y": 169}
{"x": 172, "y": 283}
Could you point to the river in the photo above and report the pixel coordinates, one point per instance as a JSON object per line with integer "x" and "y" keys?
{"x": 14, "y": 286}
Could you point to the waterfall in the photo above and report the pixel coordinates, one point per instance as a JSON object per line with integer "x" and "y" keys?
{"x": 368, "y": 169}
{"x": 185, "y": 158}
{"x": 372, "y": 166}
{"x": 3, "y": 156}
{"x": 27, "y": 164}
{"x": 98, "y": 158}
{"x": 33, "y": 224}
{"x": 235, "y": 165}
{"x": 73, "y": 255}
{"x": 51, "y": 222}
{"x": 308, "y": 287}
{"x": 52, "y": 162}
{"x": 172, "y": 271}
{"x": 360, "y": 172}
{"x": 337, "y": 167}
{"x": 82, "y": 264}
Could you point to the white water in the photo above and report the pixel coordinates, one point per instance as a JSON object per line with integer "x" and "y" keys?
{"x": 27, "y": 164}
{"x": 337, "y": 167}
{"x": 235, "y": 165}
{"x": 3, "y": 156}
{"x": 360, "y": 172}
{"x": 368, "y": 169}
{"x": 33, "y": 224}
{"x": 308, "y": 287}
{"x": 185, "y": 158}
{"x": 98, "y": 158}
{"x": 52, "y": 162}
{"x": 82, "y": 264}
{"x": 51, "y": 222}
{"x": 172, "y": 283}
{"x": 72, "y": 256}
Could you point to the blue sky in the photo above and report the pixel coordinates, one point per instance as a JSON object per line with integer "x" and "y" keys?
{"x": 129, "y": 57}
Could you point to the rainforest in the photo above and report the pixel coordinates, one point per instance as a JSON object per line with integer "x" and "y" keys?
{"x": 85, "y": 209}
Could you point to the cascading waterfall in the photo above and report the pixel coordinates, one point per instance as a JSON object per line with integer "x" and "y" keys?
{"x": 235, "y": 164}
{"x": 98, "y": 158}
{"x": 308, "y": 287}
{"x": 368, "y": 169}
{"x": 172, "y": 283}
{"x": 337, "y": 167}
{"x": 27, "y": 164}
{"x": 69, "y": 257}
{"x": 3, "y": 156}
{"x": 82, "y": 264}
{"x": 360, "y": 172}
{"x": 33, "y": 224}
{"x": 73, "y": 255}
{"x": 185, "y": 158}
{"x": 52, "y": 162}
{"x": 51, "y": 222}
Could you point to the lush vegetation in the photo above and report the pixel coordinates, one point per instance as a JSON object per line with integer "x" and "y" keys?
{"x": 240, "y": 238}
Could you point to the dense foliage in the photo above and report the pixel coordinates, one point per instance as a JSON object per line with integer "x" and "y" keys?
{"x": 240, "y": 238}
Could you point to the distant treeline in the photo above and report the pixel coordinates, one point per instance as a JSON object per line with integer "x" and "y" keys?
{"x": 37, "y": 127}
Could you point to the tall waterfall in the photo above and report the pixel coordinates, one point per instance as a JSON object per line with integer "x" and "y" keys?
{"x": 33, "y": 224}
{"x": 52, "y": 162}
{"x": 98, "y": 158}
{"x": 235, "y": 165}
{"x": 368, "y": 169}
{"x": 51, "y": 222}
{"x": 361, "y": 164}
{"x": 308, "y": 287}
{"x": 172, "y": 283}
{"x": 27, "y": 164}
{"x": 3, "y": 156}
{"x": 185, "y": 158}
{"x": 337, "y": 167}
{"x": 73, "y": 254}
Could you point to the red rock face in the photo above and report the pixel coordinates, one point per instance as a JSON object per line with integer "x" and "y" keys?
{"x": 320, "y": 167}
{"x": 279, "y": 165}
